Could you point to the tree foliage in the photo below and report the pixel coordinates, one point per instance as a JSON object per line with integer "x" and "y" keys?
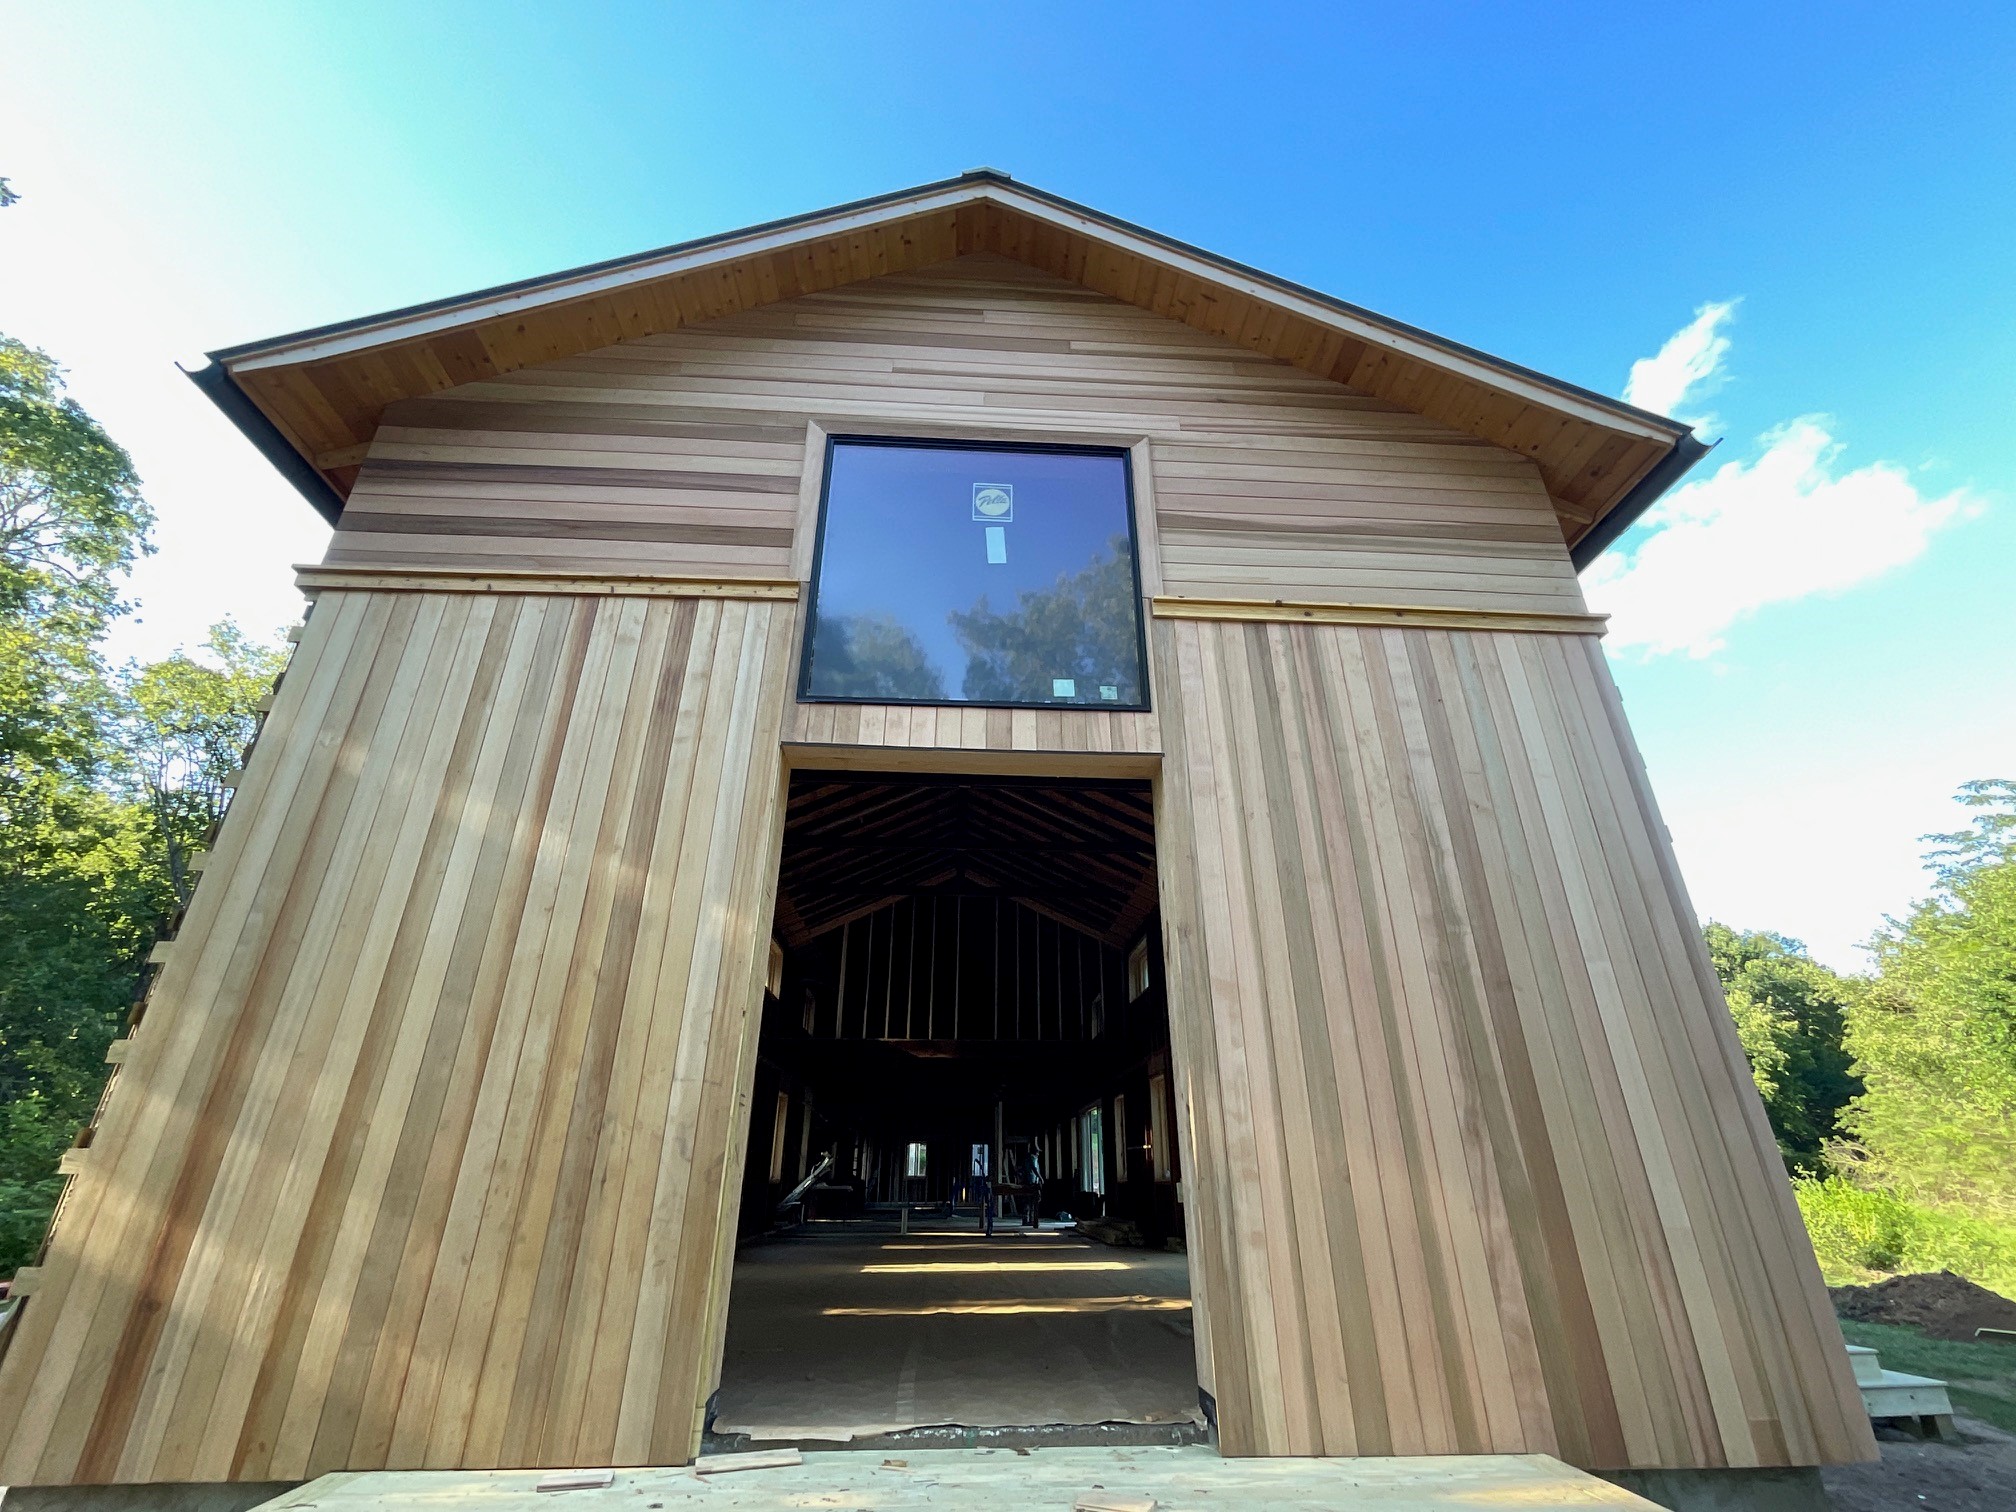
{"x": 106, "y": 781}
{"x": 1791, "y": 1015}
{"x": 71, "y": 515}
{"x": 95, "y": 862}
{"x": 76, "y": 907}
{"x": 1935, "y": 1036}
{"x": 80, "y": 898}
{"x": 182, "y": 730}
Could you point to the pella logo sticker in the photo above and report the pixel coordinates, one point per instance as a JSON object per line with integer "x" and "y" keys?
{"x": 994, "y": 502}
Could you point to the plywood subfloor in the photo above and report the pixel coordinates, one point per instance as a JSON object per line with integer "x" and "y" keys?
{"x": 1176, "y": 1478}
{"x": 827, "y": 1339}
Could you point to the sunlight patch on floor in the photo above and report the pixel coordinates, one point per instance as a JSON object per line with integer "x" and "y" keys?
{"x": 945, "y": 1267}
{"x": 1016, "y": 1308}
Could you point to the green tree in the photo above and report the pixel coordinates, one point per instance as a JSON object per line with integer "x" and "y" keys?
{"x": 71, "y": 516}
{"x": 80, "y": 898}
{"x": 95, "y": 868}
{"x": 1791, "y": 1015}
{"x": 71, "y": 522}
{"x": 1935, "y": 1037}
{"x": 77, "y": 903}
{"x": 183, "y": 729}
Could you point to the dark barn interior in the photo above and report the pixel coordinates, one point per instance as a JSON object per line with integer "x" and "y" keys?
{"x": 966, "y": 1012}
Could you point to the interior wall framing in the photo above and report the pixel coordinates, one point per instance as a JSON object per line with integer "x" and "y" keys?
{"x": 964, "y": 966}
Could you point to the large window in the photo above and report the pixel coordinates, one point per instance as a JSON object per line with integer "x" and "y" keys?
{"x": 975, "y": 574}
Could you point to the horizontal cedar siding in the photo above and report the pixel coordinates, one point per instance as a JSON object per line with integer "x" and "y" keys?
{"x": 683, "y": 452}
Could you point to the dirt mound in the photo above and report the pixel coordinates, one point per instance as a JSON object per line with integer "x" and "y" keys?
{"x": 1938, "y": 1304}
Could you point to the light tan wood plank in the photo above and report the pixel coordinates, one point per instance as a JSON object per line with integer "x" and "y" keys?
{"x": 909, "y": 354}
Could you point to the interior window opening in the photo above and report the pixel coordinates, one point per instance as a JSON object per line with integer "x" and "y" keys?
{"x": 965, "y": 1236}
{"x": 1137, "y": 969}
{"x": 1161, "y": 1143}
{"x": 1094, "y": 1163}
{"x": 778, "y": 1128}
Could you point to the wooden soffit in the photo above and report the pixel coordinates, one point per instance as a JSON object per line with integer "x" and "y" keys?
{"x": 313, "y": 400}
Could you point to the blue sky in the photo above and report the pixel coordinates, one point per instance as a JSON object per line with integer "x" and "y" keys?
{"x": 1814, "y": 647}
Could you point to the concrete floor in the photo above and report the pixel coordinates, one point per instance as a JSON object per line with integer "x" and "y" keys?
{"x": 854, "y": 1329}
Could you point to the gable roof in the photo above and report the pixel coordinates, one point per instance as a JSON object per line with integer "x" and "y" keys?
{"x": 311, "y": 401}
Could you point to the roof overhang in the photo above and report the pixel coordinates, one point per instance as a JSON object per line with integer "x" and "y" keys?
{"x": 311, "y": 401}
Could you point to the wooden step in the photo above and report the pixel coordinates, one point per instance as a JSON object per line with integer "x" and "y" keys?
{"x": 1893, "y": 1394}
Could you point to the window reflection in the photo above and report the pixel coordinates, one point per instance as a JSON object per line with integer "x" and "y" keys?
{"x": 873, "y": 656}
{"x": 975, "y": 574}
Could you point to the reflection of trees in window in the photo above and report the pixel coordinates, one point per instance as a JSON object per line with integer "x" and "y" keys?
{"x": 871, "y": 656}
{"x": 1084, "y": 629}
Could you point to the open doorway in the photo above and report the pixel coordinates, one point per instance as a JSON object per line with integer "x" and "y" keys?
{"x": 961, "y": 1209}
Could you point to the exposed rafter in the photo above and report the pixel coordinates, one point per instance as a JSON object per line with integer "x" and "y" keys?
{"x": 1082, "y": 854}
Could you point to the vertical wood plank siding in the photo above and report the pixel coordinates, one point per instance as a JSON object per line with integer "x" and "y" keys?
{"x": 421, "y": 1152}
{"x": 683, "y": 452}
{"x": 1476, "y": 1162}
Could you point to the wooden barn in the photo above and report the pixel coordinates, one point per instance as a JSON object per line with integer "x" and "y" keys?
{"x": 950, "y": 714}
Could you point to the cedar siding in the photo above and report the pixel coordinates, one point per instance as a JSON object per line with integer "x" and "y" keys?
{"x": 683, "y": 453}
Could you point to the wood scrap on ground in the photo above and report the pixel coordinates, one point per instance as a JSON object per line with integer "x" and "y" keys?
{"x": 576, "y": 1480}
{"x": 761, "y": 1459}
{"x": 1112, "y": 1501}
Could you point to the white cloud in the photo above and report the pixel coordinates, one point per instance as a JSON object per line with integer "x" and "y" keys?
{"x": 1787, "y": 524}
{"x": 1691, "y": 356}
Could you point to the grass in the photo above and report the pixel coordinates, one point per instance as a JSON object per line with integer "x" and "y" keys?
{"x": 1980, "y": 1377}
{"x": 1863, "y": 1236}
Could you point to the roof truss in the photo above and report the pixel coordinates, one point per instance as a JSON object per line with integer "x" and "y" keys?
{"x": 1081, "y": 853}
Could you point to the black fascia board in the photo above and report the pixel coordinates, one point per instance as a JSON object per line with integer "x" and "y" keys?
{"x": 215, "y": 380}
{"x": 1667, "y": 471}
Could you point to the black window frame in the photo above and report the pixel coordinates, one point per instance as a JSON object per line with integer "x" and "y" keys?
{"x": 927, "y": 443}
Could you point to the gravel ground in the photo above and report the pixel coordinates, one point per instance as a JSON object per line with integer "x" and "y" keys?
{"x": 1975, "y": 1475}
